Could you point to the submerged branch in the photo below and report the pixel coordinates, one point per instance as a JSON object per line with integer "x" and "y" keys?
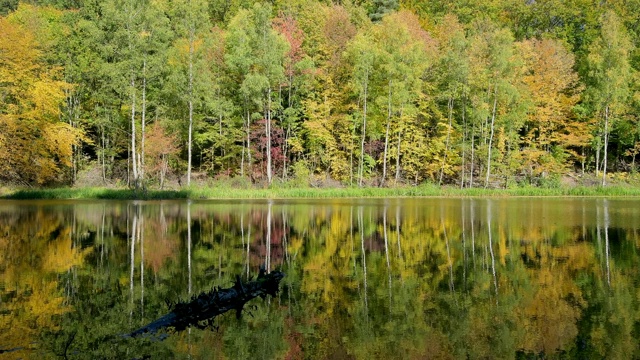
{"x": 201, "y": 310}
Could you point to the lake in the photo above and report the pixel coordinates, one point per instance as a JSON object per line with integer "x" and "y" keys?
{"x": 393, "y": 278}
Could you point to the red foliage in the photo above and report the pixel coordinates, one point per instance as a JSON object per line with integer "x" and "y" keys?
{"x": 259, "y": 147}
{"x": 288, "y": 27}
{"x": 374, "y": 148}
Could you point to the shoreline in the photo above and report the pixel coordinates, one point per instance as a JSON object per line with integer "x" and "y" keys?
{"x": 228, "y": 193}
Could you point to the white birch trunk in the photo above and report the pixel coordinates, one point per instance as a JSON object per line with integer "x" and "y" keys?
{"x": 493, "y": 121}
{"x": 606, "y": 144}
{"x": 364, "y": 128}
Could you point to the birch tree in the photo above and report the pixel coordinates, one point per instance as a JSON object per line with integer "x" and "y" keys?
{"x": 496, "y": 93}
{"x": 256, "y": 54}
{"x": 454, "y": 80}
{"x": 186, "y": 83}
{"x": 405, "y": 52}
{"x": 361, "y": 52}
{"x": 609, "y": 76}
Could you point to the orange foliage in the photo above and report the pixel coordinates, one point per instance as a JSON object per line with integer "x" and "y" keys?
{"x": 161, "y": 146}
{"x": 553, "y": 86}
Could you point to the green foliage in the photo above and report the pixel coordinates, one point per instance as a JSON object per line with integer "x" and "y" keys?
{"x": 382, "y": 8}
{"x": 428, "y": 90}
{"x": 301, "y": 173}
{"x": 609, "y": 77}
{"x": 7, "y": 6}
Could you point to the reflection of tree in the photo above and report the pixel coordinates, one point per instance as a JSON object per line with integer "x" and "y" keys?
{"x": 612, "y": 303}
{"x": 37, "y": 248}
{"x": 365, "y": 279}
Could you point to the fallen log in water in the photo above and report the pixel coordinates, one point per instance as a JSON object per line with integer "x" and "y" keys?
{"x": 201, "y": 310}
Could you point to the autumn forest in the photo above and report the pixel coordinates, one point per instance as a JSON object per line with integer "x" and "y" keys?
{"x": 360, "y": 93}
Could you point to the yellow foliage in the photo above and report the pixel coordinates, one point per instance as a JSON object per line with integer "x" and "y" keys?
{"x": 29, "y": 266}
{"x": 552, "y": 82}
{"x": 60, "y": 139}
{"x": 32, "y": 93}
{"x": 61, "y": 255}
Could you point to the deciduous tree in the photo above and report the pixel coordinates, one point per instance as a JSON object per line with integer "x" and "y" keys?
{"x": 35, "y": 146}
{"x": 553, "y": 86}
{"x": 609, "y": 76}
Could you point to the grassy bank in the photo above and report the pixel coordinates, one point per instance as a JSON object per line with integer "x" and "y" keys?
{"x": 275, "y": 193}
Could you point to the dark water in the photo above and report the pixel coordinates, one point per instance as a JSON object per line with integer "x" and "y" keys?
{"x": 375, "y": 278}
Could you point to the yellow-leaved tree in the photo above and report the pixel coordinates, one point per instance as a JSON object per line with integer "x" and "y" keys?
{"x": 552, "y": 131}
{"x": 35, "y": 146}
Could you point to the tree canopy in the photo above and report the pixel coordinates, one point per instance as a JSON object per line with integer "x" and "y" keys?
{"x": 366, "y": 93}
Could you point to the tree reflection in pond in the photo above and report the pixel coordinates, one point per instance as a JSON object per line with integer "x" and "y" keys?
{"x": 388, "y": 278}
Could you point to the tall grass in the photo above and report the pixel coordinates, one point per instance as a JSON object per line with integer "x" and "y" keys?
{"x": 95, "y": 193}
{"x": 424, "y": 190}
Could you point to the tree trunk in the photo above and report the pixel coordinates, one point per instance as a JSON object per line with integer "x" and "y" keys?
{"x": 268, "y": 131}
{"x": 397, "y": 178}
{"x": 598, "y": 159}
{"x": 134, "y": 166}
{"x": 288, "y": 132}
{"x": 249, "y": 171}
{"x": 131, "y": 34}
{"x": 128, "y": 166}
{"x": 473, "y": 154}
{"x": 493, "y": 120}
{"x": 386, "y": 139}
{"x": 464, "y": 137}
{"x": 242, "y": 157}
{"x": 364, "y": 129}
{"x": 285, "y": 152}
{"x": 606, "y": 144}
{"x": 143, "y": 119}
{"x": 104, "y": 153}
{"x": 190, "y": 94}
{"x": 163, "y": 170}
{"x": 446, "y": 146}
{"x": 73, "y": 117}
{"x": 351, "y": 147}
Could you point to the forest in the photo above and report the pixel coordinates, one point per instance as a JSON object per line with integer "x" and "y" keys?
{"x": 149, "y": 93}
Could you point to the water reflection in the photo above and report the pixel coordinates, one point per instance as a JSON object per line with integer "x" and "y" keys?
{"x": 395, "y": 278}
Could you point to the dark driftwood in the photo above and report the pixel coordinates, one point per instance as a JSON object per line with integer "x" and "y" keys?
{"x": 201, "y": 310}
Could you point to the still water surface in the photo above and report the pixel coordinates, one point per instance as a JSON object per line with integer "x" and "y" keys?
{"x": 365, "y": 278}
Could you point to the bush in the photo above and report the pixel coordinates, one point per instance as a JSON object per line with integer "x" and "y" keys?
{"x": 301, "y": 174}
{"x": 550, "y": 182}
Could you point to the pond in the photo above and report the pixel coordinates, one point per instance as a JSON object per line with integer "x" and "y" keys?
{"x": 365, "y": 278}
